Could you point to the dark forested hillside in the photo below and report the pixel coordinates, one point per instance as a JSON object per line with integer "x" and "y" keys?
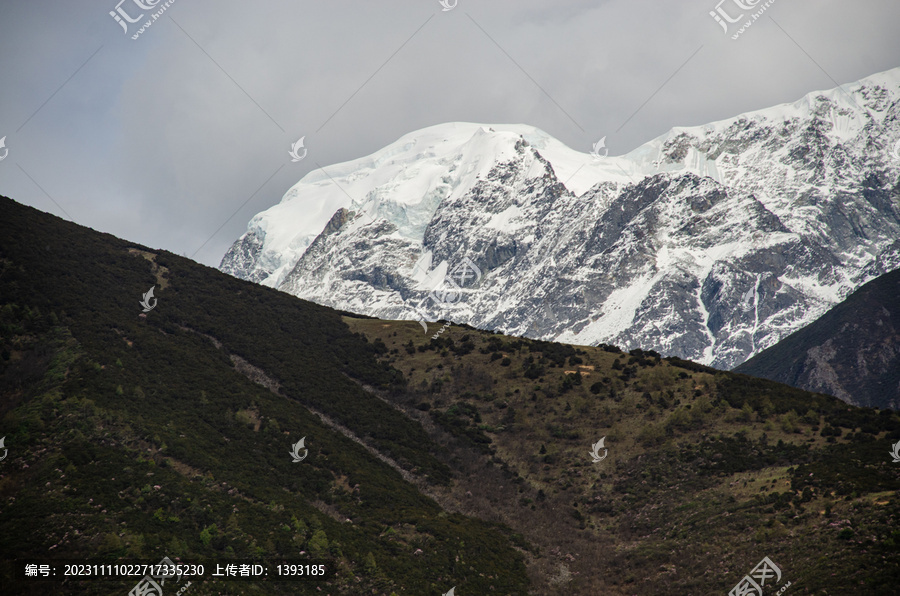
{"x": 141, "y": 436}
{"x": 492, "y": 464}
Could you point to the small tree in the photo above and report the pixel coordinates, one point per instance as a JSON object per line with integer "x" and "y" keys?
{"x": 318, "y": 544}
{"x": 207, "y": 534}
{"x": 369, "y": 564}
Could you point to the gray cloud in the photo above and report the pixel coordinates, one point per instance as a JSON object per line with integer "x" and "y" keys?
{"x": 162, "y": 139}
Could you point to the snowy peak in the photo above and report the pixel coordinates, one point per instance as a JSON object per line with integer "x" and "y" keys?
{"x": 709, "y": 242}
{"x": 403, "y": 183}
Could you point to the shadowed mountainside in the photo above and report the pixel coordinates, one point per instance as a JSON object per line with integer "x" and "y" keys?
{"x": 852, "y": 351}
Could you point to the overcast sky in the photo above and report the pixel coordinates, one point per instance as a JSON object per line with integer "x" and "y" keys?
{"x": 177, "y": 138}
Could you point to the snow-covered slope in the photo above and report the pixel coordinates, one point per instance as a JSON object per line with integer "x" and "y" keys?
{"x": 710, "y": 243}
{"x": 403, "y": 183}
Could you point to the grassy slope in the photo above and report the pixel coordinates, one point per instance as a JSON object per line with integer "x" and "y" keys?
{"x": 707, "y": 473}
{"x": 138, "y": 437}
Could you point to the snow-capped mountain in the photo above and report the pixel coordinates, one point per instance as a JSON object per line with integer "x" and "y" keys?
{"x": 709, "y": 243}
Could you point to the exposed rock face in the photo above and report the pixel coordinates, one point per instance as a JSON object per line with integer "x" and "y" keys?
{"x": 851, "y": 352}
{"x": 709, "y": 243}
{"x": 243, "y": 256}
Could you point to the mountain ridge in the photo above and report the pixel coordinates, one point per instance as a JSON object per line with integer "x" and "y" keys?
{"x": 709, "y": 243}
